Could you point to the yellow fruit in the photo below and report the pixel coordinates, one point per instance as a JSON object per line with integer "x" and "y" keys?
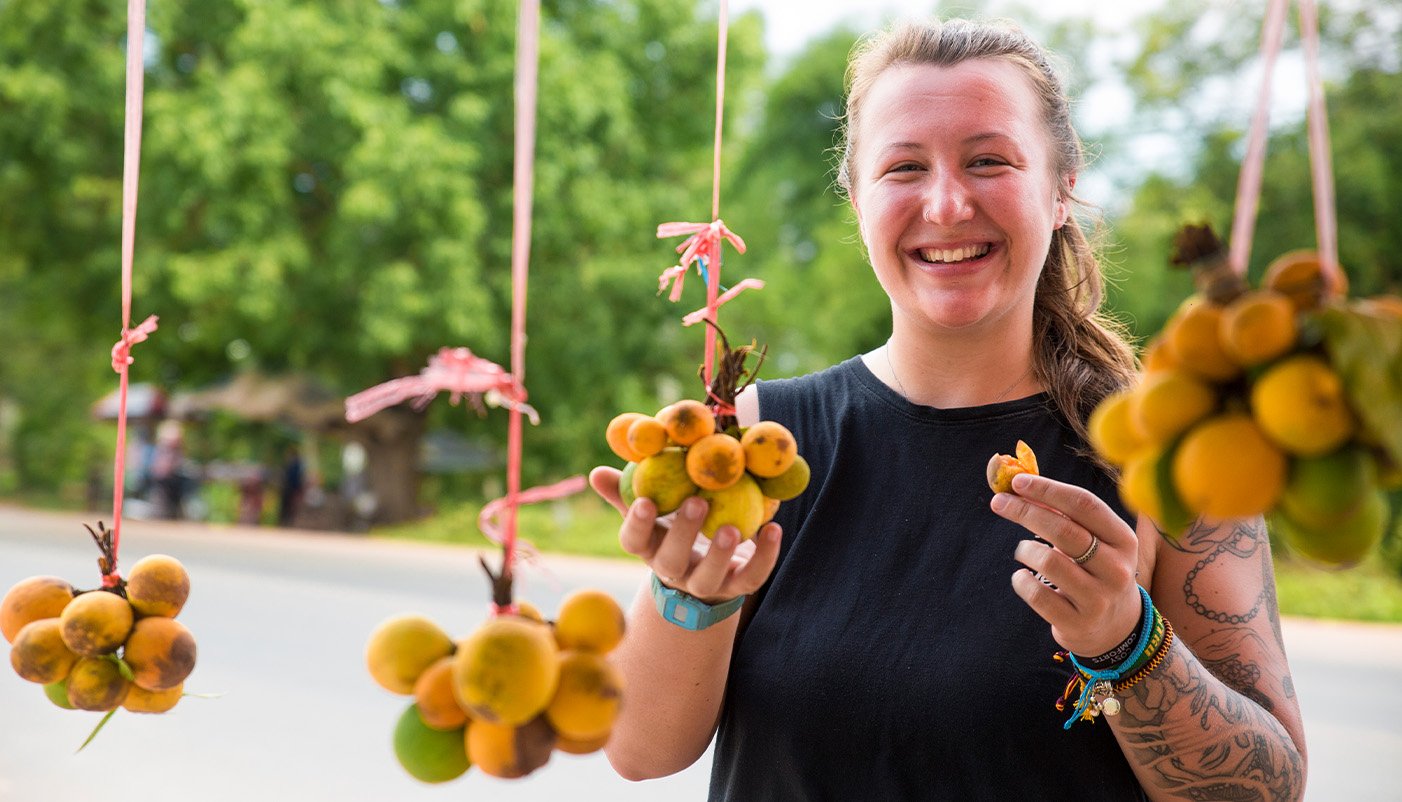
{"x": 1112, "y": 431}
{"x": 1299, "y": 276}
{"x": 140, "y": 700}
{"x": 161, "y": 653}
{"x": 96, "y": 623}
{"x": 1139, "y": 485}
{"x": 158, "y": 585}
{"x": 647, "y": 436}
{"x": 527, "y": 610}
{"x": 740, "y": 505}
{"x": 715, "y": 461}
{"x": 39, "y": 654}
{"x": 1343, "y": 543}
{"x": 1300, "y": 405}
{"x": 664, "y": 479}
{"x": 788, "y": 485}
{"x": 1002, "y": 468}
{"x": 1193, "y": 343}
{"x": 769, "y": 449}
{"x": 506, "y": 671}
{"x": 1156, "y": 356}
{"x": 1226, "y": 468}
{"x": 31, "y": 600}
{"x": 771, "y": 508}
{"x": 96, "y": 684}
{"x": 589, "y": 620}
{"x": 687, "y": 421}
{"x": 401, "y": 648}
{"x": 510, "y": 752}
{"x": 617, "y": 436}
{"x": 1167, "y": 404}
{"x": 429, "y": 755}
{"x": 1322, "y": 491}
{"x": 1258, "y": 327}
{"x": 586, "y": 703}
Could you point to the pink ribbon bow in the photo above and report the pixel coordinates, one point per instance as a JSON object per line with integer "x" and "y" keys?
{"x": 704, "y": 243}
{"x": 121, "y": 352}
{"x": 492, "y": 510}
{"x": 454, "y": 370}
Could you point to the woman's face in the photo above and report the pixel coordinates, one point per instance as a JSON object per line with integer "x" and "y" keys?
{"x": 955, "y": 191}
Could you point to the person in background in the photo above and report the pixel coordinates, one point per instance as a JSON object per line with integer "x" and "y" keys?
{"x": 891, "y": 634}
{"x": 292, "y": 488}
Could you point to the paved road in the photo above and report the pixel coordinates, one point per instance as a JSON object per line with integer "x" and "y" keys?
{"x": 281, "y": 619}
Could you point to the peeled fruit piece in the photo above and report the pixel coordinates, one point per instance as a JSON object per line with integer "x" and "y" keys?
{"x": 1167, "y": 404}
{"x": 161, "y": 653}
{"x": 1002, "y": 468}
{"x": 97, "y": 684}
{"x": 429, "y": 755}
{"x": 1112, "y": 431}
{"x": 1343, "y": 543}
{"x": 30, "y": 600}
{"x": 586, "y": 703}
{"x": 39, "y": 654}
{"x": 617, "y": 435}
{"x": 788, "y": 485}
{"x": 740, "y": 505}
{"x": 510, "y": 752}
{"x": 140, "y": 700}
{"x": 1194, "y": 344}
{"x": 663, "y": 478}
{"x": 573, "y": 747}
{"x": 433, "y": 695}
{"x": 401, "y": 648}
{"x": 769, "y": 449}
{"x": 1298, "y": 276}
{"x": 590, "y": 620}
{"x": 1226, "y": 468}
{"x": 715, "y": 461}
{"x": 646, "y": 436}
{"x": 1322, "y": 491}
{"x": 58, "y": 694}
{"x": 687, "y": 421}
{"x": 158, "y": 585}
{"x": 96, "y": 623}
{"x": 1300, "y": 404}
{"x": 506, "y": 671}
{"x": 1258, "y": 327}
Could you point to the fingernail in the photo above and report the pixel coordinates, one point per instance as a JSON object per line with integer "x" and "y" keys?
{"x": 642, "y": 508}
{"x": 1000, "y": 502}
{"x": 1021, "y": 481}
{"x": 693, "y": 507}
{"x": 725, "y": 538}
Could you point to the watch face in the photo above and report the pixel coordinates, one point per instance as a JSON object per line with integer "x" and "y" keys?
{"x": 683, "y": 615}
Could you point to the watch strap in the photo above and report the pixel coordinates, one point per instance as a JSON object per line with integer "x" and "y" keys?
{"x": 689, "y": 612}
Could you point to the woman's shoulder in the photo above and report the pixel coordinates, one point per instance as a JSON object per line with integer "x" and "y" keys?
{"x": 779, "y": 396}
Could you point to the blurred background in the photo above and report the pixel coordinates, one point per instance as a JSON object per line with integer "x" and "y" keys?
{"x": 325, "y": 201}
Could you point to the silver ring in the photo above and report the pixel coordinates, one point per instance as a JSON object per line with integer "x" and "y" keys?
{"x": 1090, "y": 551}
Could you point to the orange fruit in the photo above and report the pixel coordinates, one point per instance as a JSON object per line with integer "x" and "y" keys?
{"x": 769, "y": 449}
{"x": 715, "y": 462}
{"x": 687, "y": 421}
{"x": 1167, "y": 403}
{"x": 1299, "y": 276}
{"x": 1112, "y": 431}
{"x": 1300, "y": 404}
{"x": 647, "y": 436}
{"x": 1258, "y": 327}
{"x": 617, "y": 436}
{"x": 1225, "y": 467}
{"x": 590, "y": 621}
{"x": 1194, "y": 343}
{"x": 32, "y": 599}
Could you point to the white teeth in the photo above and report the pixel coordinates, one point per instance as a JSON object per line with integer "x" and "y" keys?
{"x": 955, "y": 255}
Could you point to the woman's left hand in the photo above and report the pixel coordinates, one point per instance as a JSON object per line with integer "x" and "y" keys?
{"x": 1095, "y": 603}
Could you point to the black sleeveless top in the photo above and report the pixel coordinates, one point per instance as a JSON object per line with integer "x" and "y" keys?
{"x": 888, "y": 657}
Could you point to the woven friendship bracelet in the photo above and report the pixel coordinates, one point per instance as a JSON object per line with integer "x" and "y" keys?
{"x": 1085, "y": 681}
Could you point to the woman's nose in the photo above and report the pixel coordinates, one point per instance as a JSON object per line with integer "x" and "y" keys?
{"x": 947, "y": 200}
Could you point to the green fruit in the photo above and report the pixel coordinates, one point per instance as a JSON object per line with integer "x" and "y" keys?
{"x": 625, "y": 484}
{"x": 1323, "y": 491}
{"x": 788, "y": 484}
{"x": 433, "y": 756}
{"x": 662, "y": 477}
{"x": 58, "y": 694}
{"x": 1341, "y": 544}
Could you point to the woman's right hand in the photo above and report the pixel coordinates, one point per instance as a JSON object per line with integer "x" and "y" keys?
{"x": 712, "y": 570}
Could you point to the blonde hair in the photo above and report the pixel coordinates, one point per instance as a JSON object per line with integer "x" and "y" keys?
{"x": 1079, "y": 354}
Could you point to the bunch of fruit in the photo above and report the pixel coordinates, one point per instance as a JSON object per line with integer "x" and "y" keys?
{"x": 104, "y": 648}
{"x": 743, "y": 474}
{"x": 1280, "y": 400}
{"x": 507, "y": 695}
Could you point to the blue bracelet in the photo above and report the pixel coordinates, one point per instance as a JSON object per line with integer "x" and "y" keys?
{"x": 1093, "y": 677}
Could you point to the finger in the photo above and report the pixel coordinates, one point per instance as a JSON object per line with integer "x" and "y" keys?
{"x": 639, "y": 535}
{"x": 748, "y": 577}
{"x": 604, "y": 480}
{"x": 1053, "y": 607}
{"x": 673, "y": 557}
{"x": 1054, "y": 567}
{"x": 1069, "y": 537}
{"x": 708, "y": 576}
{"x": 1078, "y": 504}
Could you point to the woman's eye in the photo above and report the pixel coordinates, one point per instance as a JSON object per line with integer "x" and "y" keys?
{"x": 904, "y": 167}
{"x": 988, "y": 161}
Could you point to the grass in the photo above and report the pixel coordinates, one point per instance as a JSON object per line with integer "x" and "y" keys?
{"x": 1369, "y": 592}
{"x": 583, "y": 525}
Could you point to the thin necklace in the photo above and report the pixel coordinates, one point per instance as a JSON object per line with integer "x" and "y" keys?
{"x": 891, "y": 366}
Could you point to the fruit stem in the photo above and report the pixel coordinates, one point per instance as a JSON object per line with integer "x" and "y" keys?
{"x": 730, "y": 378}
{"x": 107, "y": 563}
{"x": 1197, "y": 247}
{"x": 501, "y": 585}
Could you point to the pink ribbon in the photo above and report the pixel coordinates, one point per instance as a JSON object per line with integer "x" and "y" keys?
{"x": 708, "y": 311}
{"x": 453, "y": 370}
{"x": 121, "y": 352}
{"x": 704, "y": 244}
{"x": 492, "y": 510}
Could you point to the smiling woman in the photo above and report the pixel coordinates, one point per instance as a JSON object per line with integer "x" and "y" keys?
{"x": 883, "y": 650}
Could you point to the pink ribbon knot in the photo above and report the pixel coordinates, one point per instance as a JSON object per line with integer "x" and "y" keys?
{"x": 121, "y": 352}
{"x": 456, "y": 371}
{"x": 704, "y": 243}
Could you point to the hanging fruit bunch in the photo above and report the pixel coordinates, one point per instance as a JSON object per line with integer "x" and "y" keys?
{"x": 1282, "y": 400}
{"x": 690, "y": 448}
{"x": 508, "y": 695}
{"x": 117, "y": 645}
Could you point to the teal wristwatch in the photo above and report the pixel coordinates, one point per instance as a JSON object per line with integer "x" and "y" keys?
{"x": 689, "y": 612}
